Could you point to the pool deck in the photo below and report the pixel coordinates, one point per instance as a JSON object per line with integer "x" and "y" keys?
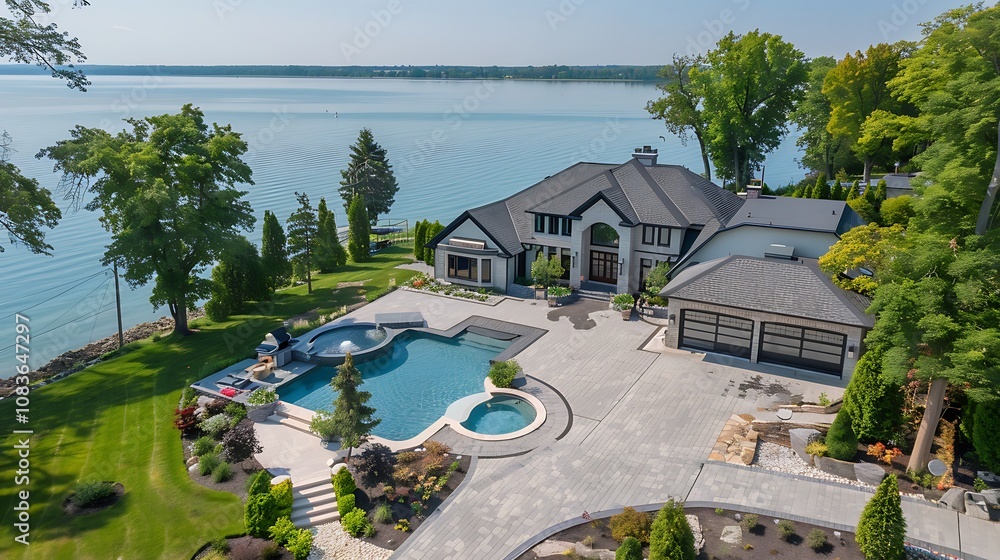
{"x": 639, "y": 426}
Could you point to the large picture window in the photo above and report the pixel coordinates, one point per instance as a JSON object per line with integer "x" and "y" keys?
{"x": 603, "y": 235}
{"x": 463, "y": 268}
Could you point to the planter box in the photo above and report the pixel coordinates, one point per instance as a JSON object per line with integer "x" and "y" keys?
{"x": 657, "y": 312}
{"x": 558, "y": 301}
{"x": 260, "y": 412}
{"x": 541, "y": 293}
{"x": 843, "y": 469}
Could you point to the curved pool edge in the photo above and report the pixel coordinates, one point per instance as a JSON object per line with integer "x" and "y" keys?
{"x": 303, "y": 350}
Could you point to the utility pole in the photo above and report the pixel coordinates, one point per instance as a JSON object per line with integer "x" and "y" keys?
{"x": 118, "y": 304}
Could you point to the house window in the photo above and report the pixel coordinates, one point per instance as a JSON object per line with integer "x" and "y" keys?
{"x": 539, "y": 223}
{"x": 645, "y": 265}
{"x": 487, "y": 268}
{"x": 566, "y": 261}
{"x": 648, "y": 235}
{"x": 554, "y": 225}
{"x": 567, "y": 226}
{"x": 463, "y": 268}
{"x": 664, "y": 237}
{"x": 603, "y": 235}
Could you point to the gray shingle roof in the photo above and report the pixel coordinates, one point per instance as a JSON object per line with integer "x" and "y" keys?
{"x": 792, "y": 288}
{"x": 695, "y": 196}
{"x": 833, "y": 216}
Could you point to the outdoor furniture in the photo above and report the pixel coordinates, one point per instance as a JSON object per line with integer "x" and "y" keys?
{"x": 232, "y": 381}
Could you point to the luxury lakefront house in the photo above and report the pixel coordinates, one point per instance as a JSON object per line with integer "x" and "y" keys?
{"x": 610, "y": 224}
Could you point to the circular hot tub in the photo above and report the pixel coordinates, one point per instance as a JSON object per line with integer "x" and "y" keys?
{"x": 360, "y": 340}
{"x": 502, "y": 414}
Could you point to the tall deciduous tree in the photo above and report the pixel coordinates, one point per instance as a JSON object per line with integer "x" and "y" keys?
{"x": 238, "y": 278}
{"x": 352, "y": 418}
{"x": 359, "y": 230}
{"x": 330, "y": 253}
{"x": 166, "y": 190}
{"x": 274, "y": 253}
{"x": 822, "y": 151}
{"x": 856, "y": 88}
{"x": 681, "y": 106}
{"x": 302, "y": 229}
{"x": 369, "y": 174}
{"x": 751, "y": 83}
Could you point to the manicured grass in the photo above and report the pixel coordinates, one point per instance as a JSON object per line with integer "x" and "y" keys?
{"x": 113, "y": 421}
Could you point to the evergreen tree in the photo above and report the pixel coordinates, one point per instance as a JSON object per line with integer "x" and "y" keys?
{"x": 985, "y": 437}
{"x": 352, "y": 418}
{"x": 807, "y": 191}
{"x": 837, "y": 193}
{"x": 329, "y": 252}
{"x": 854, "y": 191}
{"x": 419, "y": 237}
{"x": 822, "y": 188}
{"x": 881, "y": 192}
{"x": 359, "y": 230}
{"x": 630, "y": 549}
{"x": 874, "y": 403}
{"x": 670, "y": 537}
{"x": 369, "y": 175}
{"x": 431, "y": 231}
{"x": 841, "y": 441}
{"x": 239, "y": 277}
{"x": 882, "y": 527}
{"x": 274, "y": 253}
{"x": 302, "y": 229}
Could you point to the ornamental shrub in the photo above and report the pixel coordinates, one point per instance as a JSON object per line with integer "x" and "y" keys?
{"x": 89, "y": 492}
{"x": 631, "y": 549}
{"x": 377, "y": 465}
{"x": 816, "y": 539}
{"x": 282, "y": 494}
{"x": 502, "y": 374}
{"x": 841, "y": 442}
{"x": 343, "y": 483}
{"x": 222, "y": 472}
{"x": 345, "y": 504}
{"x": 355, "y": 522}
{"x": 874, "y": 403}
{"x": 262, "y": 396}
{"x": 985, "y": 436}
{"x": 786, "y": 529}
{"x": 216, "y": 425}
{"x": 670, "y": 537}
{"x": 300, "y": 544}
{"x": 202, "y": 445}
{"x": 207, "y": 463}
{"x": 882, "y": 527}
{"x": 259, "y": 483}
{"x": 630, "y": 523}
{"x": 260, "y": 514}
{"x": 750, "y": 521}
{"x": 383, "y": 514}
{"x": 282, "y": 530}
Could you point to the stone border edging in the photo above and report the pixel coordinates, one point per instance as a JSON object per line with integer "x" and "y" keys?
{"x": 569, "y": 424}
{"x": 419, "y": 291}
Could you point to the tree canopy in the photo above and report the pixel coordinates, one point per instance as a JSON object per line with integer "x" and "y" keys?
{"x": 238, "y": 278}
{"x": 821, "y": 150}
{"x": 330, "y": 253}
{"x": 166, "y": 191}
{"x": 274, "y": 253}
{"x": 25, "y": 208}
{"x": 370, "y": 175}
{"x": 302, "y": 230}
{"x": 681, "y": 106}
{"x": 359, "y": 230}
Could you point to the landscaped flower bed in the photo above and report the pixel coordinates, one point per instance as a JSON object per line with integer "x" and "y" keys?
{"x": 425, "y": 283}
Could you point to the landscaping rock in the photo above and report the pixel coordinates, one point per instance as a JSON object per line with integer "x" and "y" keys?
{"x": 732, "y": 534}
{"x": 868, "y": 473}
{"x": 954, "y": 499}
{"x": 975, "y": 506}
{"x": 586, "y": 552}
{"x": 193, "y": 468}
{"x": 552, "y": 548}
{"x": 192, "y": 461}
{"x": 749, "y": 449}
{"x": 699, "y": 537}
{"x": 800, "y": 438}
{"x": 843, "y": 469}
{"x": 330, "y": 542}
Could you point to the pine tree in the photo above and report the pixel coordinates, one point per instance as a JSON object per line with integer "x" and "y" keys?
{"x": 369, "y": 174}
{"x": 329, "y": 252}
{"x": 882, "y": 527}
{"x": 807, "y": 191}
{"x": 431, "y": 230}
{"x": 670, "y": 537}
{"x": 874, "y": 403}
{"x": 419, "y": 238}
{"x": 822, "y": 188}
{"x": 841, "y": 441}
{"x": 855, "y": 190}
{"x": 881, "y": 192}
{"x": 359, "y": 234}
{"x": 274, "y": 253}
{"x": 352, "y": 418}
{"x": 302, "y": 229}
{"x": 837, "y": 193}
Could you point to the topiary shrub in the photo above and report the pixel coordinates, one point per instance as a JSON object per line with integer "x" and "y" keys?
{"x": 985, "y": 436}
{"x": 875, "y": 404}
{"x": 670, "y": 537}
{"x": 89, "y": 492}
{"x": 282, "y": 494}
{"x": 260, "y": 514}
{"x": 345, "y": 504}
{"x": 502, "y": 374}
{"x": 355, "y": 522}
{"x": 630, "y": 523}
{"x": 343, "y": 483}
{"x": 259, "y": 483}
{"x": 882, "y": 527}
{"x": 631, "y": 549}
{"x": 841, "y": 442}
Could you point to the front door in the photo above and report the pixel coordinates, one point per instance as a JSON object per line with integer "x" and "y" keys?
{"x": 604, "y": 267}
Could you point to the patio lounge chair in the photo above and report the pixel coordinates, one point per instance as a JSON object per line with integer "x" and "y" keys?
{"x": 235, "y": 382}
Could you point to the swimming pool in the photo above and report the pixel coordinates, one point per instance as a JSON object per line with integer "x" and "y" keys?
{"x": 352, "y": 338}
{"x": 412, "y": 383}
{"x": 503, "y": 414}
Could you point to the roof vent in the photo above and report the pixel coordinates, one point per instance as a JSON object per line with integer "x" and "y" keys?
{"x": 646, "y": 155}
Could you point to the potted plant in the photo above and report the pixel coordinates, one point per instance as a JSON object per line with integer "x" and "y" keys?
{"x": 323, "y": 426}
{"x": 559, "y": 295}
{"x": 623, "y": 303}
{"x": 545, "y": 272}
{"x": 656, "y": 280}
{"x": 261, "y": 404}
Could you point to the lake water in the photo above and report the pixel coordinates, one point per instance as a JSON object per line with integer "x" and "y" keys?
{"x": 453, "y": 144}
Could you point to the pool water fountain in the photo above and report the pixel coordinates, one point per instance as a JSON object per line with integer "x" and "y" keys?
{"x": 348, "y": 339}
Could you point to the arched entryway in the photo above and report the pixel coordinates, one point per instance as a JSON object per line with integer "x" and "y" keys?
{"x": 603, "y": 258}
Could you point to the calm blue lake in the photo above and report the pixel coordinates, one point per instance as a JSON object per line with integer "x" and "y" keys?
{"x": 453, "y": 144}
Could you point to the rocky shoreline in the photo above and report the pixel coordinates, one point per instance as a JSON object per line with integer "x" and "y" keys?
{"x": 73, "y": 361}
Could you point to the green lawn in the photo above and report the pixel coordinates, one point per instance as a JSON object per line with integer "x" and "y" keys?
{"x": 113, "y": 421}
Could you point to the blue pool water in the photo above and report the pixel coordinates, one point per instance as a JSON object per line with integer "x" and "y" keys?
{"x": 500, "y": 415}
{"x": 412, "y": 384}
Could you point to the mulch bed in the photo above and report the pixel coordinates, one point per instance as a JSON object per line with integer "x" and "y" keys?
{"x": 248, "y": 548}
{"x": 764, "y": 540}
{"x": 386, "y": 536}
{"x": 235, "y": 485}
{"x": 71, "y": 509}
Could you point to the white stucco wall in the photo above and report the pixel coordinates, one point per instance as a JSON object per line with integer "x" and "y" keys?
{"x": 753, "y": 241}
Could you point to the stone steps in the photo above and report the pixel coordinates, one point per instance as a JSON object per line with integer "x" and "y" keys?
{"x": 594, "y": 295}
{"x": 314, "y": 502}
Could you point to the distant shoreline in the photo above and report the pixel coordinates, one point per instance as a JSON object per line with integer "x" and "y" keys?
{"x": 613, "y": 73}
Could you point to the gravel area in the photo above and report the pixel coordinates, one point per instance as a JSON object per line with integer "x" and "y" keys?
{"x": 331, "y": 542}
{"x": 774, "y": 457}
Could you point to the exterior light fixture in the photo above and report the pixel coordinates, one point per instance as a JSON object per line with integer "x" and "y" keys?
{"x": 621, "y": 266}
{"x": 850, "y": 352}
{"x": 672, "y": 319}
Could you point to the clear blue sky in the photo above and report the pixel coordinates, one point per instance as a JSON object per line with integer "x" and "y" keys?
{"x": 469, "y": 32}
